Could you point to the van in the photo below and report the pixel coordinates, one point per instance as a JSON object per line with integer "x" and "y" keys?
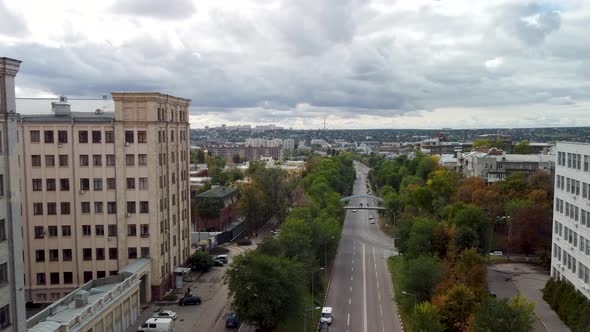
{"x": 326, "y": 315}
{"x": 157, "y": 325}
{"x": 223, "y": 258}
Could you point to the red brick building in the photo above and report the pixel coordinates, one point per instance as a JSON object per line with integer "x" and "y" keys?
{"x": 214, "y": 209}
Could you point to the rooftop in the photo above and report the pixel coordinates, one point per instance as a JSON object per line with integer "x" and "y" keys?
{"x": 218, "y": 192}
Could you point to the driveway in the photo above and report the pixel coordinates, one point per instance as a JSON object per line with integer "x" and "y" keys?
{"x": 513, "y": 279}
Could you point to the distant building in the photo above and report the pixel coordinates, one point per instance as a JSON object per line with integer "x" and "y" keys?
{"x": 436, "y": 146}
{"x": 286, "y": 144}
{"x": 227, "y": 198}
{"x": 12, "y": 293}
{"x": 496, "y": 167}
{"x": 245, "y": 152}
{"x": 571, "y": 216}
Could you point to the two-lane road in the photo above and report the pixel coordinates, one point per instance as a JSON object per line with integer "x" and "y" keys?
{"x": 361, "y": 293}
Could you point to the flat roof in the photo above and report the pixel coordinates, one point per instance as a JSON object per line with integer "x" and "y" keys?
{"x": 218, "y": 192}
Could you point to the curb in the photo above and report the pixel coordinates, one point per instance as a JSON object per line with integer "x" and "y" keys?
{"x": 329, "y": 281}
{"x": 534, "y": 311}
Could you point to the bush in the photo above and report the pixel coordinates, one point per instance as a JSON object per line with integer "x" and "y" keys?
{"x": 572, "y": 307}
{"x": 201, "y": 261}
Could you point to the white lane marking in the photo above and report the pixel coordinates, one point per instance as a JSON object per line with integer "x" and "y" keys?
{"x": 351, "y": 278}
{"x": 349, "y": 300}
{"x": 350, "y": 289}
{"x": 364, "y": 292}
{"x": 348, "y": 320}
{"x": 352, "y": 269}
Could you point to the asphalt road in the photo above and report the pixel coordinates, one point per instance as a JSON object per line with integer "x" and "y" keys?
{"x": 360, "y": 293}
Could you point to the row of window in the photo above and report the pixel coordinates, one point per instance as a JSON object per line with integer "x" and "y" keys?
{"x": 180, "y": 115}
{"x": 99, "y": 230}
{"x": 573, "y": 238}
{"x": 97, "y": 160}
{"x": 85, "y": 208}
{"x": 68, "y": 278}
{"x": 569, "y": 261}
{"x": 83, "y": 135}
{"x": 573, "y": 160}
{"x": 573, "y": 212}
{"x": 87, "y": 254}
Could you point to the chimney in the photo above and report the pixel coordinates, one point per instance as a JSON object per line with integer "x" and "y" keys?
{"x": 62, "y": 107}
{"x": 8, "y": 70}
{"x": 81, "y": 298}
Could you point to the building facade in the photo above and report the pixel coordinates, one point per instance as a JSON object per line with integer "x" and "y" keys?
{"x": 226, "y": 199}
{"x": 571, "y": 216}
{"x": 12, "y": 295}
{"x": 248, "y": 153}
{"x": 101, "y": 190}
{"x": 494, "y": 167}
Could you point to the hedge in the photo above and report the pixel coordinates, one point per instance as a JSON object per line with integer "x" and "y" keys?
{"x": 572, "y": 307}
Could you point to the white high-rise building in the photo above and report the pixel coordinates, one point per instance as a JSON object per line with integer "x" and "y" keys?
{"x": 571, "y": 216}
{"x": 12, "y": 294}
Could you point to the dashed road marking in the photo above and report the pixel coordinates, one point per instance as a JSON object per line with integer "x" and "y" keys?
{"x": 348, "y": 320}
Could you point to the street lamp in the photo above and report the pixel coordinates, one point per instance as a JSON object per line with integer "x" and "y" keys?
{"x": 326, "y": 258}
{"x": 312, "y": 277}
{"x": 410, "y": 294}
{"x": 305, "y": 316}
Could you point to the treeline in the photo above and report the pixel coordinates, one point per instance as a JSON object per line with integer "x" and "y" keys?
{"x": 446, "y": 225}
{"x": 270, "y": 284}
{"x": 572, "y": 306}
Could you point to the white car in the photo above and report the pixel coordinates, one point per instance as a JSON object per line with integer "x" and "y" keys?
{"x": 326, "y": 315}
{"x": 166, "y": 314}
{"x": 354, "y": 210}
{"x": 497, "y": 253}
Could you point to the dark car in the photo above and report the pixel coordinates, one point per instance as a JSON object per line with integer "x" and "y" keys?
{"x": 231, "y": 320}
{"x": 244, "y": 242}
{"x": 189, "y": 299}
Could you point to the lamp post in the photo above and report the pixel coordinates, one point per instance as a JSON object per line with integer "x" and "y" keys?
{"x": 312, "y": 277}
{"x": 305, "y": 316}
{"x": 414, "y": 295}
{"x": 326, "y": 258}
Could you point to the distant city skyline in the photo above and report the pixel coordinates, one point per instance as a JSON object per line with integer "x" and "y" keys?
{"x": 361, "y": 64}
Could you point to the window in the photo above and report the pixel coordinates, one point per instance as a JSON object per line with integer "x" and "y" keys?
{"x": 96, "y": 136}
{"x": 132, "y": 230}
{"x": 40, "y": 278}
{"x": 87, "y": 276}
{"x": 83, "y": 160}
{"x": 141, "y": 136}
{"x": 96, "y": 160}
{"x": 1, "y": 185}
{"x": 131, "y": 183}
{"x": 65, "y": 208}
{"x": 52, "y": 231}
{"x": 144, "y": 207}
{"x": 83, "y": 136}
{"x": 113, "y": 253}
{"x": 68, "y": 278}
{"x": 144, "y": 230}
{"x": 37, "y": 209}
{"x": 53, "y": 255}
{"x": 85, "y": 184}
{"x": 49, "y": 160}
{"x": 3, "y": 273}
{"x": 130, "y": 207}
{"x": 99, "y": 230}
{"x": 50, "y": 184}
{"x": 48, "y": 136}
{"x": 110, "y": 160}
{"x": 128, "y": 136}
{"x": 112, "y": 230}
{"x": 171, "y": 135}
{"x": 142, "y": 159}
{"x": 145, "y": 252}
{"x": 87, "y": 254}
{"x": 111, "y": 183}
{"x": 85, "y": 207}
{"x": 40, "y": 255}
{"x": 35, "y": 136}
{"x": 39, "y": 232}
{"x": 54, "y": 278}
{"x": 62, "y": 136}
{"x": 101, "y": 274}
{"x": 97, "y": 184}
{"x": 100, "y": 254}
{"x": 98, "y": 208}
{"x": 109, "y": 136}
{"x": 63, "y": 160}
{"x": 51, "y": 208}
{"x": 111, "y": 207}
{"x": 86, "y": 230}
{"x": 143, "y": 183}
{"x": 2, "y": 229}
{"x": 67, "y": 255}
{"x": 37, "y": 185}
{"x": 36, "y": 160}
{"x": 66, "y": 231}
{"x": 132, "y": 253}
{"x": 130, "y": 160}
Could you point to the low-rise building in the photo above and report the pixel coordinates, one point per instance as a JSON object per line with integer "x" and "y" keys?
{"x": 225, "y": 199}
{"x": 494, "y": 167}
{"x": 248, "y": 153}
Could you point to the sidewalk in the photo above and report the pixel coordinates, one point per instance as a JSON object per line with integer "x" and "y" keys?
{"x": 528, "y": 281}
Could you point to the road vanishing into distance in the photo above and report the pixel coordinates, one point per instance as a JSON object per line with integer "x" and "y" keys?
{"x": 361, "y": 293}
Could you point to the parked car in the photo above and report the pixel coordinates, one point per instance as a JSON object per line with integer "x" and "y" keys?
{"x": 244, "y": 242}
{"x": 217, "y": 262}
{"x": 354, "y": 210}
{"x": 326, "y": 315}
{"x": 189, "y": 299}
{"x": 497, "y": 253}
{"x": 372, "y": 221}
{"x": 223, "y": 258}
{"x": 166, "y": 314}
{"x": 157, "y": 325}
{"x": 231, "y": 320}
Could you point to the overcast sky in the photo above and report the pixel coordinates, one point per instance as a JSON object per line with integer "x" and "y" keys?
{"x": 359, "y": 63}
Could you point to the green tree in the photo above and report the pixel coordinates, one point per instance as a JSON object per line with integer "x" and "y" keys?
{"x": 522, "y": 147}
{"x": 498, "y": 315}
{"x": 215, "y": 165}
{"x": 422, "y": 276}
{"x": 236, "y": 159}
{"x": 426, "y": 319}
{"x": 201, "y": 261}
{"x": 265, "y": 289}
{"x": 197, "y": 157}
{"x": 420, "y": 241}
{"x": 481, "y": 143}
{"x": 457, "y": 307}
{"x": 208, "y": 208}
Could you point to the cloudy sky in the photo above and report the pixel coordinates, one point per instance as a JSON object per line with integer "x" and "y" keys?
{"x": 359, "y": 63}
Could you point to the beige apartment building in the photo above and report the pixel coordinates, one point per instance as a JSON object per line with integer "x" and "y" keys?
{"x": 101, "y": 190}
